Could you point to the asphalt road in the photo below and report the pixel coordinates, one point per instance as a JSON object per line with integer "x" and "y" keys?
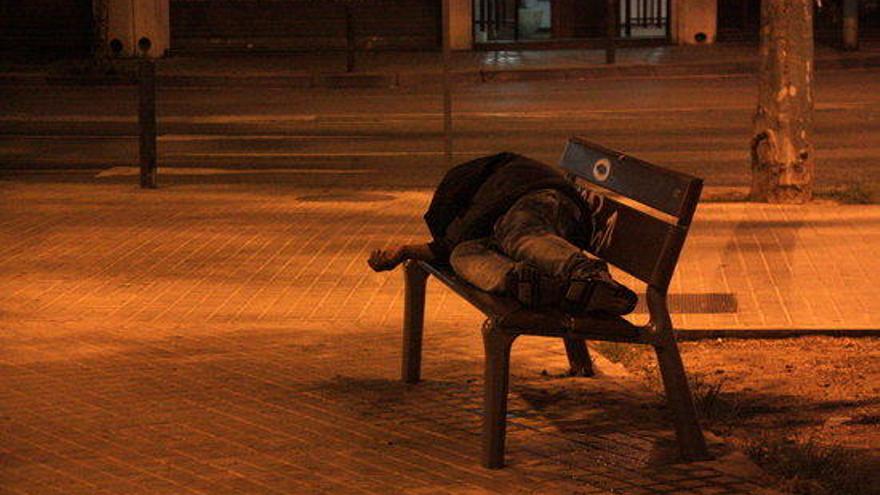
{"x": 393, "y": 138}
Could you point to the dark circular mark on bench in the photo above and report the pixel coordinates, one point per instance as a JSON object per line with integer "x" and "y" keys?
{"x": 116, "y": 46}
{"x": 144, "y": 45}
{"x": 346, "y": 197}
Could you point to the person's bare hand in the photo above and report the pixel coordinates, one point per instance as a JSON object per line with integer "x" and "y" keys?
{"x": 382, "y": 260}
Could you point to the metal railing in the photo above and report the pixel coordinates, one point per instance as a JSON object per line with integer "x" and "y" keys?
{"x": 644, "y": 14}
{"x": 494, "y": 17}
{"x": 496, "y": 20}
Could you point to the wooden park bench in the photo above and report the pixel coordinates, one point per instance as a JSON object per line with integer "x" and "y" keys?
{"x": 644, "y": 242}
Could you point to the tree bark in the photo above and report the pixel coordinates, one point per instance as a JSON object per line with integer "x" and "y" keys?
{"x": 782, "y": 152}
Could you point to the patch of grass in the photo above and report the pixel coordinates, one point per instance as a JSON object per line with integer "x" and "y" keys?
{"x": 809, "y": 468}
{"x": 616, "y": 352}
{"x": 725, "y": 194}
{"x": 854, "y": 193}
{"x": 711, "y": 402}
{"x": 865, "y": 420}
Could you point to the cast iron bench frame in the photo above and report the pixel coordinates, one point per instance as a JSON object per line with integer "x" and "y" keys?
{"x": 644, "y": 242}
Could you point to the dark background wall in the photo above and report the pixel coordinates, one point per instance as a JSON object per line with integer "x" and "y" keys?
{"x": 579, "y": 18}
{"x": 304, "y": 24}
{"x": 741, "y": 20}
{"x": 46, "y": 27}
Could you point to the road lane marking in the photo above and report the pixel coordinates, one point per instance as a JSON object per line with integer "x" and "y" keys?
{"x": 384, "y": 117}
{"x": 655, "y": 155}
{"x": 129, "y": 171}
{"x": 260, "y": 137}
{"x": 197, "y": 137}
{"x": 250, "y": 154}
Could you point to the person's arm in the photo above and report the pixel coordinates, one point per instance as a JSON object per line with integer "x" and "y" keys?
{"x": 387, "y": 259}
{"x": 421, "y": 252}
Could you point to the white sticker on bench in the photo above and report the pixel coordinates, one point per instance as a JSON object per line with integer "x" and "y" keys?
{"x": 602, "y": 169}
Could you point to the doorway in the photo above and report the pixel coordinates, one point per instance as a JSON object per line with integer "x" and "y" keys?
{"x": 530, "y": 21}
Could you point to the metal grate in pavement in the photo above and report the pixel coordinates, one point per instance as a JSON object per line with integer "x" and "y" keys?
{"x": 708, "y": 303}
{"x": 352, "y": 197}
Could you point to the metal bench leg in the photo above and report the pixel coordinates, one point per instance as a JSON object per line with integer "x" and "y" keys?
{"x": 497, "y": 344}
{"x": 678, "y": 394}
{"x": 578, "y": 357}
{"x": 413, "y": 321}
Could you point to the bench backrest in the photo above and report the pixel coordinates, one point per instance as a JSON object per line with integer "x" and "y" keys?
{"x": 644, "y": 242}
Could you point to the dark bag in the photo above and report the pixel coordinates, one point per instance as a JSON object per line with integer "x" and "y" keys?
{"x": 457, "y": 189}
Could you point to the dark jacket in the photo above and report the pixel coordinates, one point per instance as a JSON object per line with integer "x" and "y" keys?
{"x": 473, "y": 195}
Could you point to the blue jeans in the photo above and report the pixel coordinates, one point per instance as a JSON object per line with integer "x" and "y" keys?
{"x": 534, "y": 230}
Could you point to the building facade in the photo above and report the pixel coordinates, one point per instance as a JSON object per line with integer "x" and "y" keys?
{"x": 54, "y": 26}
{"x": 306, "y": 25}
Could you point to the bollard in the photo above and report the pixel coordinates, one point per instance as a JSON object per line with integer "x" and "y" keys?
{"x": 147, "y": 116}
{"x": 611, "y": 21}
{"x": 349, "y": 40}
{"x": 447, "y": 86}
{"x": 850, "y": 24}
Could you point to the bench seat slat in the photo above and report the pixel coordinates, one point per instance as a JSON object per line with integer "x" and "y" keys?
{"x": 511, "y": 316}
{"x": 554, "y": 323}
{"x": 489, "y": 304}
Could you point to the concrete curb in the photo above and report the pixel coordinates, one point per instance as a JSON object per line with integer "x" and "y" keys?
{"x": 685, "y": 335}
{"x": 342, "y": 80}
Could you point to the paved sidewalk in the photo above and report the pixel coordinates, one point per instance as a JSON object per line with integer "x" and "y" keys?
{"x": 406, "y": 69}
{"x": 229, "y": 252}
{"x": 226, "y": 337}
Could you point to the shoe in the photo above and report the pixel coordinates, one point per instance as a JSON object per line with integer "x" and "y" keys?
{"x": 597, "y": 292}
{"x": 532, "y": 288}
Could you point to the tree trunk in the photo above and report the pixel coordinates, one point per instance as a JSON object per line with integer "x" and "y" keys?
{"x": 782, "y": 153}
